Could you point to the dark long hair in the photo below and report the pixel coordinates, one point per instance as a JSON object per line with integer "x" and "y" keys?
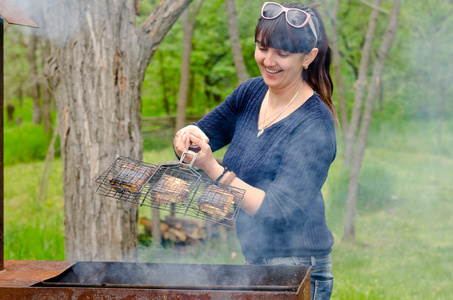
{"x": 278, "y": 34}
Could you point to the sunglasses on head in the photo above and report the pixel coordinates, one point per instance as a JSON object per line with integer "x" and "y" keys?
{"x": 294, "y": 16}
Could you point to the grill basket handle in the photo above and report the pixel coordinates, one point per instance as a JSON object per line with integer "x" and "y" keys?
{"x": 193, "y": 150}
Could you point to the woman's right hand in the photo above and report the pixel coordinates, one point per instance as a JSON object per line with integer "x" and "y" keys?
{"x": 182, "y": 141}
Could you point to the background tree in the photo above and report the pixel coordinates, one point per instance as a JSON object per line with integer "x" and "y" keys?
{"x": 236, "y": 47}
{"x": 361, "y": 85}
{"x": 213, "y": 72}
{"x": 16, "y": 80}
{"x": 332, "y": 13}
{"x": 33, "y": 71}
{"x": 357, "y": 50}
{"x": 351, "y": 200}
{"x": 188, "y": 25}
{"x": 96, "y": 69}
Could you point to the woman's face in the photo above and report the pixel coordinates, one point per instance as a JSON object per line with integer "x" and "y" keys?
{"x": 279, "y": 68}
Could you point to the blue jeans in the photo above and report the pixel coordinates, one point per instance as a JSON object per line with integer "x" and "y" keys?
{"x": 321, "y": 272}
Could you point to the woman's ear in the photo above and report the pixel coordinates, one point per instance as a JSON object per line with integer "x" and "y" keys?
{"x": 310, "y": 57}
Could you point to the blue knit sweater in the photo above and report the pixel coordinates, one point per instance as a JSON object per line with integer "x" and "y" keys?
{"x": 289, "y": 161}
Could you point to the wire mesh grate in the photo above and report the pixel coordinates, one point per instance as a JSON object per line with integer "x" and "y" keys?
{"x": 216, "y": 202}
{"x": 177, "y": 188}
{"x": 126, "y": 179}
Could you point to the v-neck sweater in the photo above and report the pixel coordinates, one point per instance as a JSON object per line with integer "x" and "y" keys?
{"x": 289, "y": 162}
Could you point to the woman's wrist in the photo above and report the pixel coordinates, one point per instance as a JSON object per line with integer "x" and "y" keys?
{"x": 215, "y": 171}
{"x": 228, "y": 178}
{"x": 225, "y": 170}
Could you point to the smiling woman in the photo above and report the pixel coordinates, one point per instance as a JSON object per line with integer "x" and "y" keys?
{"x": 299, "y": 46}
{"x": 280, "y": 129}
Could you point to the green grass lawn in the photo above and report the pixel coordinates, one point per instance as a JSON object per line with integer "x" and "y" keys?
{"x": 33, "y": 230}
{"x": 405, "y": 250}
{"x": 404, "y": 244}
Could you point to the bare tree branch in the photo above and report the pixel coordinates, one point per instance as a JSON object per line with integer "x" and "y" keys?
{"x": 236, "y": 47}
{"x": 195, "y": 13}
{"x": 376, "y": 7}
{"x": 332, "y": 11}
{"x": 158, "y": 23}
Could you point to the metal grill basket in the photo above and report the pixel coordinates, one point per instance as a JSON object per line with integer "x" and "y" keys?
{"x": 177, "y": 188}
{"x": 216, "y": 202}
{"x": 126, "y": 179}
{"x": 172, "y": 186}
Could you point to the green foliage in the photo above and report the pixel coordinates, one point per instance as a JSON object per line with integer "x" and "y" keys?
{"x": 34, "y": 241}
{"x": 150, "y": 145}
{"x": 24, "y": 142}
{"x": 162, "y": 75}
{"x": 159, "y": 156}
{"x": 213, "y": 75}
{"x": 16, "y": 66}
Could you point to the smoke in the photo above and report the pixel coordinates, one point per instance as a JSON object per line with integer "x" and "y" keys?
{"x": 181, "y": 276}
{"x": 58, "y": 20}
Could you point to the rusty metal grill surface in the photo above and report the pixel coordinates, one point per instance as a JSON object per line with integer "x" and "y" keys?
{"x": 179, "y": 276}
{"x": 120, "y": 281}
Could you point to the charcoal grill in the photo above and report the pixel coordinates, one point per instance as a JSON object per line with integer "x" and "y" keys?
{"x": 120, "y": 280}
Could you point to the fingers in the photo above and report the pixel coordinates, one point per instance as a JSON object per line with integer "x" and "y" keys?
{"x": 205, "y": 160}
{"x": 181, "y": 142}
{"x": 205, "y": 151}
{"x": 194, "y": 130}
{"x": 199, "y": 142}
{"x": 182, "y": 137}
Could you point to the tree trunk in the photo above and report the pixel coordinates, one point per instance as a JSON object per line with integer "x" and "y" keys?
{"x": 361, "y": 86}
{"x": 236, "y": 47}
{"x": 163, "y": 83}
{"x": 44, "y": 184}
{"x": 46, "y": 93}
{"x": 34, "y": 78}
{"x": 333, "y": 16}
{"x": 156, "y": 233}
{"x": 351, "y": 201}
{"x": 188, "y": 24}
{"x": 96, "y": 70}
{"x": 185, "y": 69}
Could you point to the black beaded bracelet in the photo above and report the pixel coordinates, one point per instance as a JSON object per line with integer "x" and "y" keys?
{"x": 220, "y": 177}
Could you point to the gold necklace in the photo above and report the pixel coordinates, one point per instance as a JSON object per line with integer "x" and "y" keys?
{"x": 260, "y": 132}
